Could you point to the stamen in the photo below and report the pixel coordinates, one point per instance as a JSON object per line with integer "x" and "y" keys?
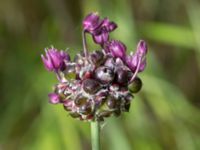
{"x": 136, "y": 71}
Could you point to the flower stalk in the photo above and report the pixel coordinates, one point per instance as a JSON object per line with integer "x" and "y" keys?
{"x": 95, "y": 135}
{"x": 84, "y": 44}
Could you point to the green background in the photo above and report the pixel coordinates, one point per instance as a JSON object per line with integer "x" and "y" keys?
{"x": 165, "y": 115}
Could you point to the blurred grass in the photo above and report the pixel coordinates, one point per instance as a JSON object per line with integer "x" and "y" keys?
{"x": 164, "y": 115}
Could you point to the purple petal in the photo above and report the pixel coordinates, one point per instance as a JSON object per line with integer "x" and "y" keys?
{"x": 142, "y": 65}
{"x": 117, "y": 49}
{"x": 139, "y": 56}
{"x": 91, "y": 22}
{"x": 110, "y": 26}
{"x": 142, "y": 48}
{"x": 101, "y": 38}
{"x": 55, "y": 57}
{"x": 64, "y": 55}
{"x": 47, "y": 63}
{"x": 132, "y": 62}
{"x": 54, "y": 98}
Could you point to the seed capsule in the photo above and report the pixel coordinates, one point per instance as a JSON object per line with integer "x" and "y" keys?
{"x": 104, "y": 75}
{"x": 91, "y": 86}
{"x": 97, "y": 57}
{"x": 135, "y": 86}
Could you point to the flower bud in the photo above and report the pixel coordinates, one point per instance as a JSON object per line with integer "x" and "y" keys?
{"x": 91, "y": 22}
{"x": 101, "y": 38}
{"x": 142, "y": 48}
{"x": 133, "y": 61}
{"x": 135, "y": 86}
{"x": 104, "y": 75}
{"x": 54, "y": 98}
{"x": 138, "y": 59}
{"x": 142, "y": 65}
{"x": 117, "y": 49}
{"x": 109, "y": 25}
{"x": 68, "y": 105}
{"x": 65, "y": 56}
{"x": 53, "y": 60}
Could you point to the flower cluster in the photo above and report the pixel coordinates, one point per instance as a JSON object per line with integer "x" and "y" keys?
{"x": 101, "y": 83}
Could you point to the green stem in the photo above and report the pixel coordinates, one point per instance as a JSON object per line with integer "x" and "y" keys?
{"x": 95, "y": 135}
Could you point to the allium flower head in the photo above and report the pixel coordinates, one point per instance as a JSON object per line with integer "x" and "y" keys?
{"x": 95, "y": 85}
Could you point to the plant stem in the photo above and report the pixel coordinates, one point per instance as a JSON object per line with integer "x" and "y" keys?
{"x": 95, "y": 135}
{"x": 84, "y": 44}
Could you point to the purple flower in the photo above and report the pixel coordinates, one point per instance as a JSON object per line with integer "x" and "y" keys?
{"x": 54, "y": 98}
{"x": 65, "y": 56}
{"x": 91, "y": 22}
{"x": 54, "y": 59}
{"x": 138, "y": 59}
{"x": 99, "y": 28}
{"x": 102, "y": 38}
{"x": 142, "y": 48}
{"x": 116, "y": 48}
{"x": 109, "y": 25}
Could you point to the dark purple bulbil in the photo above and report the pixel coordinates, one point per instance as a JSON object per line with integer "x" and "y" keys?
{"x": 98, "y": 84}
